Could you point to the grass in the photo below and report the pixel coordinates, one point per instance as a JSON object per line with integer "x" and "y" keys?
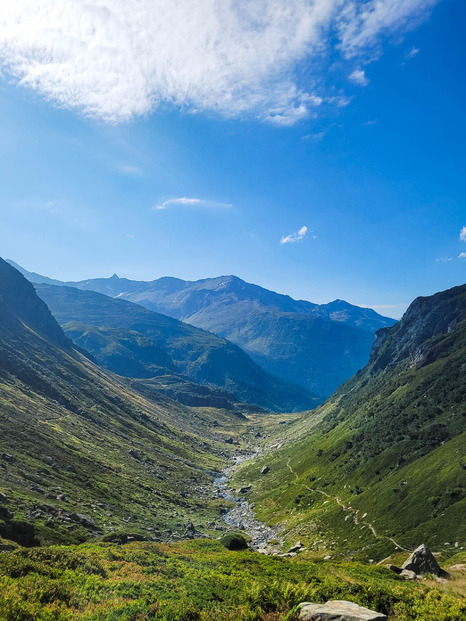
{"x": 200, "y": 580}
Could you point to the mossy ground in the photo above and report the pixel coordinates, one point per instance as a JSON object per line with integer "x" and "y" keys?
{"x": 201, "y": 580}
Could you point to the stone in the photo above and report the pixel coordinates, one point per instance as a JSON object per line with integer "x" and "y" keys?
{"x": 407, "y": 574}
{"x": 265, "y": 469}
{"x": 422, "y": 561}
{"x": 245, "y": 489}
{"x": 394, "y": 568}
{"x": 338, "y": 610}
{"x": 298, "y": 546}
{"x": 458, "y": 567}
{"x": 8, "y": 457}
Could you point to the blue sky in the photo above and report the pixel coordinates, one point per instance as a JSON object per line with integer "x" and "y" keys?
{"x": 314, "y": 148}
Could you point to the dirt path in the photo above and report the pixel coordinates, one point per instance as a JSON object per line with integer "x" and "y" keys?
{"x": 348, "y": 509}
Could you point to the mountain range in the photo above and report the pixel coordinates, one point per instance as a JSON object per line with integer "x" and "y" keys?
{"x": 316, "y": 346}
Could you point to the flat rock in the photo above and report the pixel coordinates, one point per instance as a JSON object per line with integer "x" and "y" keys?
{"x": 407, "y": 574}
{"x": 422, "y": 561}
{"x": 338, "y": 610}
{"x": 458, "y": 567}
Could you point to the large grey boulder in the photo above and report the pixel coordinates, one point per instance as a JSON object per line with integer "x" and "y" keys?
{"x": 422, "y": 561}
{"x": 338, "y": 610}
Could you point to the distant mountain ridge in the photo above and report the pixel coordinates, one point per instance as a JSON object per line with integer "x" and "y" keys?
{"x": 316, "y": 346}
{"x": 134, "y": 341}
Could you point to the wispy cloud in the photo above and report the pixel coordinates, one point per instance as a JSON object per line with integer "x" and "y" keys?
{"x": 462, "y": 255}
{"x": 463, "y": 234}
{"x": 358, "y": 76}
{"x": 444, "y": 259}
{"x": 191, "y": 202}
{"x": 118, "y": 59}
{"x": 414, "y": 51}
{"x": 295, "y": 237}
{"x": 131, "y": 171}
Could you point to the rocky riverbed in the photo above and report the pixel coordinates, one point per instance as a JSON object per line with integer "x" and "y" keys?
{"x": 263, "y": 538}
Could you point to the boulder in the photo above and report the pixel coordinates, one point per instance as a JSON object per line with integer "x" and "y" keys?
{"x": 422, "y": 561}
{"x": 265, "y": 469}
{"x": 338, "y": 610}
{"x": 394, "y": 568}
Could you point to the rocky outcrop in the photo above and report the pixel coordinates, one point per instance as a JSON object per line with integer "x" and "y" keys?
{"x": 338, "y": 610}
{"x": 422, "y": 561}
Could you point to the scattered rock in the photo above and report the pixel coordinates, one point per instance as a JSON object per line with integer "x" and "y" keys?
{"x": 338, "y": 610}
{"x": 394, "y": 568}
{"x": 3, "y": 498}
{"x": 422, "y": 561}
{"x": 458, "y": 567}
{"x": 85, "y": 520}
{"x": 298, "y": 546}
{"x": 407, "y": 574}
{"x": 8, "y": 457}
{"x": 265, "y": 469}
{"x": 245, "y": 489}
{"x": 288, "y": 555}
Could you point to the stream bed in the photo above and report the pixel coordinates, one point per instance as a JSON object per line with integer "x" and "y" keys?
{"x": 242, "y": 517}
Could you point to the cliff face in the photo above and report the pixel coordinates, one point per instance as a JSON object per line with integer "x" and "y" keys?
{"x": 19, "y": 300}
{"x": 416, "y": 337}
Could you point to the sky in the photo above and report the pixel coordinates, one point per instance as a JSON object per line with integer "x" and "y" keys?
{"x": 313, "y": 147}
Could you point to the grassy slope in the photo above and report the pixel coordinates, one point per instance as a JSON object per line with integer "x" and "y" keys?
{"x": 200, "y": 355}
{"x": 201, "y": 581}
{"x": 389, "y": 444}
{"x": 76, "y": 440}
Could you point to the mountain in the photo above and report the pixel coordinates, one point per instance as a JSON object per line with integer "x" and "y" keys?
{"x": 316, "y": 346}
{"x": 80, "y": 452}
{"x": 134, "y": 341}
{"x": 381, "y": 464}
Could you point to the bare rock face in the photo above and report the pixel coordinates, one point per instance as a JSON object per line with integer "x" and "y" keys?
{"x": 338, "y": 610}
{"x": 422, "y": 561}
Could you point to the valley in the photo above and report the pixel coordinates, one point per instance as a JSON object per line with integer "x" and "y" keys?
{"x": 129, "y": 455}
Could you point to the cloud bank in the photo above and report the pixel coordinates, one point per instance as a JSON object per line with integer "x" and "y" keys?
{"x": 294, "y": 237}
{"x": 118, "y": 59}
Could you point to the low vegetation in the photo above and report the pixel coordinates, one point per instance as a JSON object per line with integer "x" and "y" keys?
{"x": 201, "y": 581}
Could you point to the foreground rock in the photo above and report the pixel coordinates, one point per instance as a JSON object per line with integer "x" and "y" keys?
{"x": 338, "y": 610}
{"x": 422, "y": 561}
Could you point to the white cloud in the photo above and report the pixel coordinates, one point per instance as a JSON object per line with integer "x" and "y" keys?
{"x": 294, "y": 237}
{"x": 412, "y": 53}
{"x": 462, "y": 255}
{"x": 192, "y": 202}
{"x": 444, "y": 259}
{"x": 118, "y": 59}
{"x": 463, "y": 234}
{"x": 358, "y": 76}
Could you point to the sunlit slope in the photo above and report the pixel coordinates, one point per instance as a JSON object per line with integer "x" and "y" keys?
{"x": 383, "y": 460}
{"x": 80, "y": 453}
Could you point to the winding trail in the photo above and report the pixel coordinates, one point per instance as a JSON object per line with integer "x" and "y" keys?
{"x": 350, "y": 510}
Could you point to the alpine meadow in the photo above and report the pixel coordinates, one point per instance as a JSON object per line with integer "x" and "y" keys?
{"x": 232, "y": 310}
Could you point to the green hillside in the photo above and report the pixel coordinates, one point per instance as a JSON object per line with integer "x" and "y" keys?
{"x": 128, "y": 334}
{"x": 382, "y": 462}
{"x": 81, "y": 454}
